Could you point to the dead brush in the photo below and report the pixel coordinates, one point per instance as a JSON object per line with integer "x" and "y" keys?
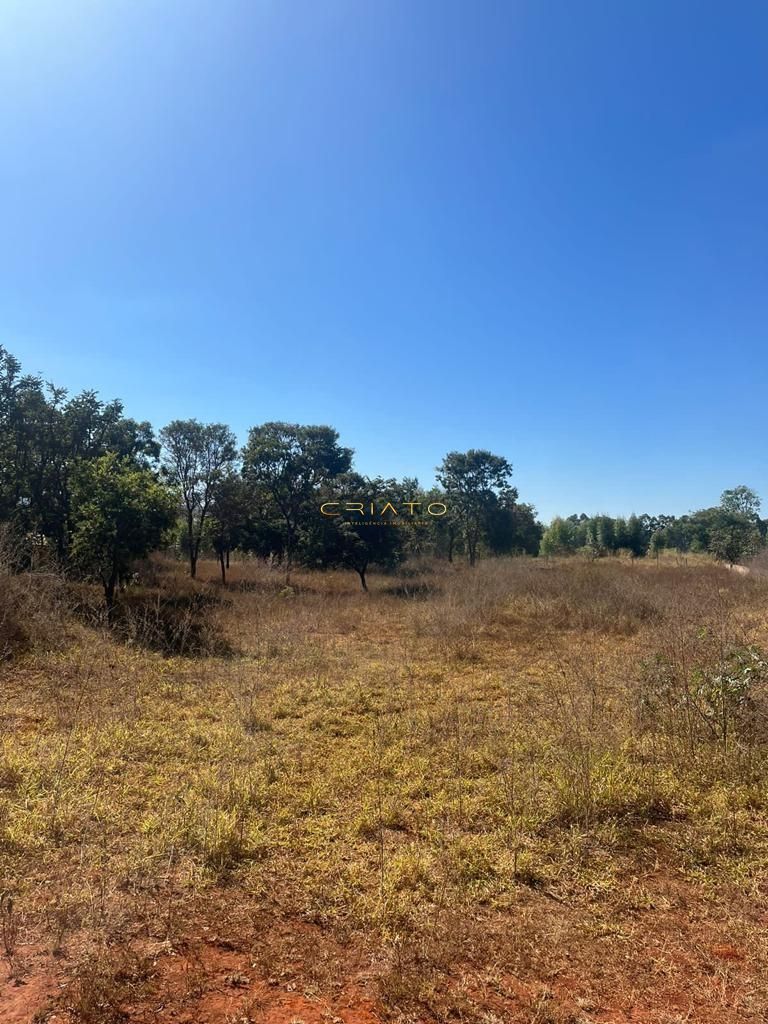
{"x": 181, "y": 623}
{"x": 32, "y": 608}
{"x": 102, "y": 983}
{"x": 522, "y": 593}
{"x": 466, "y": 605}
{"x": 703, "y": 689}
{"x": 353, "y": 768}
{"x": 178, "y": 618}
{"x": 9, "y": 930}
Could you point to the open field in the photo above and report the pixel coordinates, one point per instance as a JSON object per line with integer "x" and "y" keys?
{"x": 531, "y": 792}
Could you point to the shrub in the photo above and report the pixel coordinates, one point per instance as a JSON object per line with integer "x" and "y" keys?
{"x": 30, "y": 606}
{"x": 718, "y": 694}
{"x": 173, "y": 622}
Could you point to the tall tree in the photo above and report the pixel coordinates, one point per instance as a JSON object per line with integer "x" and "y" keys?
{"x": 559, "y": 538}
{"x": 473, "y": 482}
{"x": 196, "y": 456}
{"x": 22, "y": 401}
{"x": 638, "y": 537}
{"x": 732, "y": 536}
{"x": 227, "y": 520}
{"x": 120, "y": 512}
{"x": 512, "y": 527}
{"x": 288, "y": 463}
{"x": 360, "y": 540}
{"x": 743, "y": 500}
{"x": 44, "y": 435}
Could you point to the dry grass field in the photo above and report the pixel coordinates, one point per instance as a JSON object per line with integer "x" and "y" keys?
{"x": 530, "y": 792}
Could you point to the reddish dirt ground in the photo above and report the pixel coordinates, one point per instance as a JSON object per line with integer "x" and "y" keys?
{"x": 548, "y": 963}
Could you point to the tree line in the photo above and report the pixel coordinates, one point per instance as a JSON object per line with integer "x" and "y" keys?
{"x": 731, "y": 531}
{"x": 97, "y": 490}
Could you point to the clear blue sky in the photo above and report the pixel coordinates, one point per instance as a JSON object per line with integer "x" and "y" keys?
{"x": 538, "y": 227}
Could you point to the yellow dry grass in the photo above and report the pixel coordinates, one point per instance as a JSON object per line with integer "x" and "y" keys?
{"x": 466, "y": 777}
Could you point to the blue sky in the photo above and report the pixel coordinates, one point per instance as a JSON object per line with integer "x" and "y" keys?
{"x": 536, "y": 227}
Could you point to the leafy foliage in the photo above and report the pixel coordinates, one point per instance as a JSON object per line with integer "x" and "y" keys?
{"x": 286, "y": 464}
{"x": 196, "y": 457}
{"x": 476, "y": 482}
{"x": 122, "y": 513}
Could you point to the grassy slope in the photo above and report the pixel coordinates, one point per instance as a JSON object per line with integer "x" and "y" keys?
{"x": 468, "y": 796}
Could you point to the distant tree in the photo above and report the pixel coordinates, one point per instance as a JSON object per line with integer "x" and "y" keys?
{"x": 473, "y": 482}
{"x": 742, "y": 500}
{"x": 600, "y": 536}
{"x": 559, "y": 538}
{"x": 44, "y": 435}
{"x": 22, "y": 403}
{"x": 196, "y": 457}
{"x": 359, "y": 542}
{"x": 580, "y": 527}
{"x": 733, "y": 536}
{"x": 637, "y": 537}
{"x": 511, "y": 527}
{"x": 604, "y": 533}
{"x": 527, "y": 531}
{"x": 620, "y": 534}
{"x": 287, "y": 463}
{"x": 677, "y": 533}
{"x": 729, "y": 536}
{"x": 120, "y": 513}
{"x": 442, "y": 535}
{"x": 656, "y": 544}
{"x": 228, "y": 516}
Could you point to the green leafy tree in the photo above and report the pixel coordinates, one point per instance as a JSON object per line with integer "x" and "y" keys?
{"x": 196, "y": 457}
{"x": 22, "y": 401}
{"x": 44, "y": 435}
{"x": 473, "y": 482}
{"x": 600, "y": 536}
{"x": 359, "y": 542}
{"x": 677, "y": 533}
{"x": 226, "y": 523}
{"x": 440, "y": 537}
{"x": 729, "y": 536}
{"x": 656, "y": 544}
{"x": 512, "y": 527}
{"x": 637, "y": 537}
{"x": 742, "y": 500}
{"x": 286, "y": 464}
{"x": 120, "y": 512}
{"x": 733, "y": 537}
{"x": 620, "y": 534}
{"x": 560, "y": 537}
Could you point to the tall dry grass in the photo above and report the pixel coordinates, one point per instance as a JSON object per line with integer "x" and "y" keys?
{"x": 32, "y": 607}
{"x": 405, "y": 770}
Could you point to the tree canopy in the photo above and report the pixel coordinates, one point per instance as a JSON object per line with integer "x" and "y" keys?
{"x": 196, "y": 456}
{"x": 92, "y": 489}
{"x": 122, "y": 512}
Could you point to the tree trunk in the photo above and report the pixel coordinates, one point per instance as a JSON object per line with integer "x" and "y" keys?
{"x": 110, "y": 585}
{"x": 290, "y": 539}
{"x": 223, "y": 565}
{"x": 109, "y": 597}
{"x": 472, "y": 547}
{"x": 192, "y": 548}
{"x": 363, "y": 584}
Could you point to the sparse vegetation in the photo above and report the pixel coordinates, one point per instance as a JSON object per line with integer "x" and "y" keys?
{"x": 457, "y": 785}
{"x": 313, "y": 709}
{"x": 222, "y": 784}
